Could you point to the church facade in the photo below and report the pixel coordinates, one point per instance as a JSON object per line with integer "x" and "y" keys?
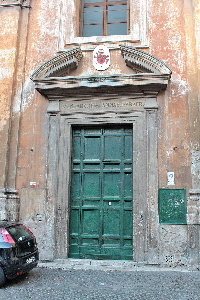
{"x": 99, "y": 127}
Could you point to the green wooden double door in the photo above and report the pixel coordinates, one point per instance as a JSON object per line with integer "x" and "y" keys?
{"x": 101, "y": 222}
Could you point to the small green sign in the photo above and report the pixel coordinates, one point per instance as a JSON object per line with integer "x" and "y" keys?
{"x": 172, "y": 206}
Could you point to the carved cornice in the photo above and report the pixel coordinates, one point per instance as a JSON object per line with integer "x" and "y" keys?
{"x": 57, "y": 87}
{"x": 11, "y": 3}
{"x": 60, "y": 65}
{"x": 142, "y": 62}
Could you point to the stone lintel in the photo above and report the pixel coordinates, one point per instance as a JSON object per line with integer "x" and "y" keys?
{"x": 63, "y": 86}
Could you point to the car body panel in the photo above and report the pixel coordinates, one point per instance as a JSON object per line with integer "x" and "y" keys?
{"x": 20, "y": 253}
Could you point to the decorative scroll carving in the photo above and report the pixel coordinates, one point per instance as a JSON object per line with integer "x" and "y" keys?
{"x": 60, "y": 65}
{"x": 143, "y": 62}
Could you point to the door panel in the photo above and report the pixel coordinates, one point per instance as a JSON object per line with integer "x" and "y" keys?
{"x": 90, "y": 221}
{"x": 112, "y": 148}
{"x": 94, "y": 144}
{"x": 111, "y": 185}
{"x": 91, "y": 185}
{"x": 101, "y": 193}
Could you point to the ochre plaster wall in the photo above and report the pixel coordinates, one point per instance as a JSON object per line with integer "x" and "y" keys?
{"x": 29, "y": 37}
{"x": 9, "y": 19}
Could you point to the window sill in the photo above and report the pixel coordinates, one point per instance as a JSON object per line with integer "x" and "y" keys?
{"x": 86, "y": 42}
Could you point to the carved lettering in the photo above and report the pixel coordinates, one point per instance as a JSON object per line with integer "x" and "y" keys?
{"x": 100, "y": 105}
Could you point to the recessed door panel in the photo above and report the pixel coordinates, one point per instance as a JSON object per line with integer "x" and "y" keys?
{"x": 92, "y": 147}
{"x": 111, "y": 185}
{"x": 112, "y": 148}
{"x": 101, "y": 193}
{"x": 90, "y": 221}
{"x": 91, "y": 185}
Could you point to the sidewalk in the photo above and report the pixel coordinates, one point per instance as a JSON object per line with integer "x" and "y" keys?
{"x": 105, "y": 265}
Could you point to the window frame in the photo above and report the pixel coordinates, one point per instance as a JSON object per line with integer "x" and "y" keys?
{"x": 69, "y": 27}
{"x": 104, "y": 4}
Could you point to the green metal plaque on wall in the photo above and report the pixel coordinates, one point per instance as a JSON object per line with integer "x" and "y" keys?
{"x": 172, "y": 206}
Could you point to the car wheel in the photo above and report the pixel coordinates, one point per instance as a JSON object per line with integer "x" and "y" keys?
{"x": 2, "y": 277}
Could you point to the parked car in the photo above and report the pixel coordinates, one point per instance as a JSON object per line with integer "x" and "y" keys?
{"x": 18, "y": 251}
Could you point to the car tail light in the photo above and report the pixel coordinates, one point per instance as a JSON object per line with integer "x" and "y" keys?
{"x": 19, "y": 273}
{"x": 28, "y": 230}
{"x": 6, "y": 236}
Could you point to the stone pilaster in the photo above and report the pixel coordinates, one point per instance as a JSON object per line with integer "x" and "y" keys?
{"x": 9, "y": 205}
{"x": 3, "y": 201}
{"x": 193, "y": 221}
{"x": 14, "y": 17}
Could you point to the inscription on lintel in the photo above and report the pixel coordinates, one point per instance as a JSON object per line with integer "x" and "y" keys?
{"x": 101, "y": 105}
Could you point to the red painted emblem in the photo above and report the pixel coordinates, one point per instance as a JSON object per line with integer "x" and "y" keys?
{"x": 101, "y": 58}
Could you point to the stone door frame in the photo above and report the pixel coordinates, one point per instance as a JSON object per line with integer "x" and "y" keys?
{"x": 145, "y": 178}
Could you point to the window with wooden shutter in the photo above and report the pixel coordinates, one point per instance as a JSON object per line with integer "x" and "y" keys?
{"x": 104, "y": 17}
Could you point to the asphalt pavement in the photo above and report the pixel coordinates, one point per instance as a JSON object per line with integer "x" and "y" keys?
{"x": 57, "y": 284}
